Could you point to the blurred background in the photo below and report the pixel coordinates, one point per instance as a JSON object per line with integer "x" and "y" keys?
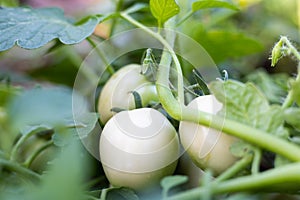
{"x": 239, "y": 42}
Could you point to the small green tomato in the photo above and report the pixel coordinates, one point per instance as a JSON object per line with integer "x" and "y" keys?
{"x": 116, "y": 93}
{"x": 207, "y": 147}
{"x": 138, "y": 148}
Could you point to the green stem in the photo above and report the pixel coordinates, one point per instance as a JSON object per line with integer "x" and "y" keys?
{"x": 14, "y": 152}
{"x": 89, "y": 197}
{"x": 207, "y": 186}
{"x": 30, "y": 159}
{"x": 93, "y": 182}
{"x": 114, "y": 20}
{"x": 22, "y": 139}
{"x": 289, "y": 99}
{"x": 256, "y": 161}
{"x": 234, "y": 169}
{"x": 159, "y": 28}
{"x": 109, "y": 68}
{"x": 168, "y": 47}
{"x": 76, "y": 59}
{"x": 284, "y": 178}
{"x": 244, "y": 132}
{"x": 13, "y": 166}
{"x": 185, "y": 17}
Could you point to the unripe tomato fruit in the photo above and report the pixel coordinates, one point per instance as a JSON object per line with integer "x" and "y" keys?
{"x": 138, "y": 148}
{"x": 207, "y": 147}
{"x": 117, "y": 91}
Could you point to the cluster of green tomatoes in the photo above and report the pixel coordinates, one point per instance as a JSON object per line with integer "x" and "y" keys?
{"x": 139, "y": 146}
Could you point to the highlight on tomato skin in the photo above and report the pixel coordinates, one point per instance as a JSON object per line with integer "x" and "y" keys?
{"x": 117, "y": 92}
{"x": 138, "y": 148}
{"x": 207, "y": 147}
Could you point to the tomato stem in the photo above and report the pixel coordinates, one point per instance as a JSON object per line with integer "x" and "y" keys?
{"x": 185, "y": 17}
{"x": 109, "y": 68}
{"x": 284, "y": 178}
{"x": 289, "y": 99}
{"x": 31, "y": 158}
{"x": 237, "y": 167}
{"x": 13, "y": 166}
{"x": 22, "y": 140}
{"x": 245, "y": 132}
{"x": 207, "y": 186}
{"x": 167, "y": 46}
{"x": 118, "y": 8}
{"x": 256, "y": 160}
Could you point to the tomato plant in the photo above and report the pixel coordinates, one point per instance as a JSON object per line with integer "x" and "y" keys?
{"x": 150, "y": 100}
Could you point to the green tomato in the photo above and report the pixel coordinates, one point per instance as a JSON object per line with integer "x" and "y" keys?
{"x": 207, "y": 147}
{"x": 138, "y": 148}
{"x": 116, "y": 93}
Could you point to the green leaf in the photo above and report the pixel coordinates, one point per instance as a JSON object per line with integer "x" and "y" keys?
{"x": 271, "y": 85}
{"x": 172, "y": 181}
{"x": 246, "y": 104}
{"x": 292, "y": 117}
{"x": 163, "y": 10}
{"x": 198, "y": 5}
{"x": 295, "y": 87}
{"x": 63, "y": 137}
{"x": 223, "y": 44}
{"x": 7, "y": 92}
{"x": 85, "y": 123}
{"x": 46, "y": 106}
{"x": 32, "y": 28}
{"x": 240, "y": 148}
{"x": 64, "y": 179}
{"x": 9, "y": 3}
{"x": 243, "y": 102}
{"x": 118, "y": 193}
{"x": 280, "y": 161}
